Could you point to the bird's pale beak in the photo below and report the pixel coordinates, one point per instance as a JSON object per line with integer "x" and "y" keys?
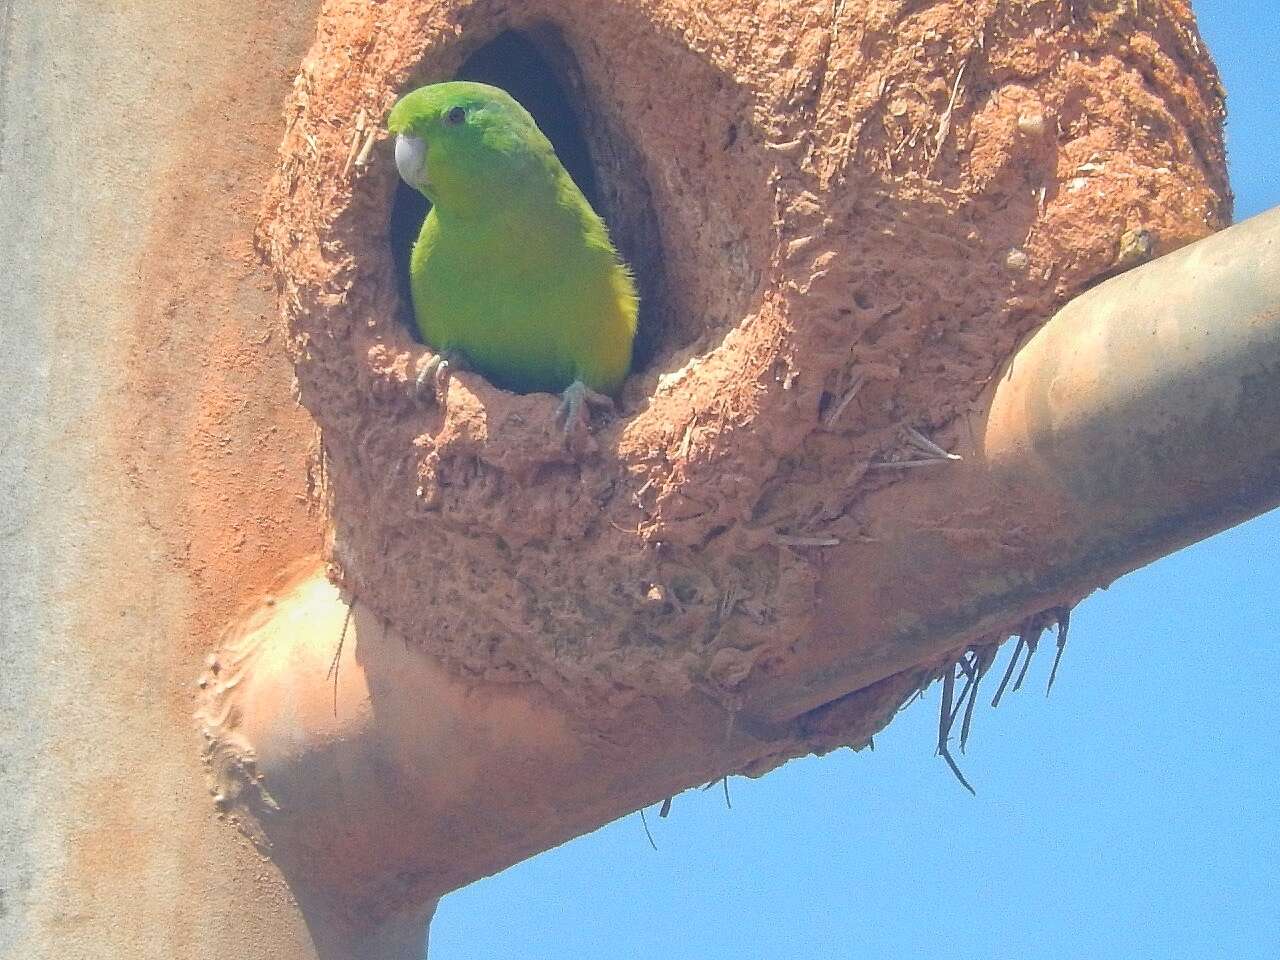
{"x": 411, "y": 154}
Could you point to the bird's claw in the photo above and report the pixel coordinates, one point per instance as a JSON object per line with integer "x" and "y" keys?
{"x": 576, "y": 403}
{"x": 435, "y": 372}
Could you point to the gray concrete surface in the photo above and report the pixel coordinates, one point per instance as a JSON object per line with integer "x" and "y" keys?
{"x": 109, "y": 846}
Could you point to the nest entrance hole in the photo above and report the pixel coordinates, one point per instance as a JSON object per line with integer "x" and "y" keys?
{"x": 537, "y": 67}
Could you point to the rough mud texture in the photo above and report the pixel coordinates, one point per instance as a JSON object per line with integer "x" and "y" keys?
{"x": 862, "y": 209}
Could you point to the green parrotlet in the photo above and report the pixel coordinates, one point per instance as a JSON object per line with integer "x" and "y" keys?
{"x": 513, "y": 275}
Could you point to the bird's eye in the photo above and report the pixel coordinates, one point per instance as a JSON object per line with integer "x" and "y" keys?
{"x": 454, "y": 116}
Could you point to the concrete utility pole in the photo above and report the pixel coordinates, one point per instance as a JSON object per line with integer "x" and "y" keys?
{"x": 111, "y": 847}
{"x": 158, "y": 523}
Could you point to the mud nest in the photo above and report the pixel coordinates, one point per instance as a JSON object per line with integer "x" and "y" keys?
{"x": 844, "y": 217}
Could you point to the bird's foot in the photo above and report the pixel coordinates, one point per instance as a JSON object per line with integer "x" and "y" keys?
{"x": 576, "y": 403}
{"x": 435, "y": 374}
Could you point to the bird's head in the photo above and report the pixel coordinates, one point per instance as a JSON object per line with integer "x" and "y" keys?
{"x": 465, "y": 145}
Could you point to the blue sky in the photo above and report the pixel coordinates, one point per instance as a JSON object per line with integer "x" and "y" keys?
{"x": 1134, "y": 814}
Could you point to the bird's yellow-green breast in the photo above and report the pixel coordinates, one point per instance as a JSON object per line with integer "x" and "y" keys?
{"x": 513, "y": 269}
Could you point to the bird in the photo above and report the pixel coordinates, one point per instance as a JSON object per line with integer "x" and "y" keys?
{"x": 513, "y": 276}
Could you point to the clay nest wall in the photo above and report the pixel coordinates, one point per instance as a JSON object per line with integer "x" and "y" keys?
{"x": 844, "y": 217}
